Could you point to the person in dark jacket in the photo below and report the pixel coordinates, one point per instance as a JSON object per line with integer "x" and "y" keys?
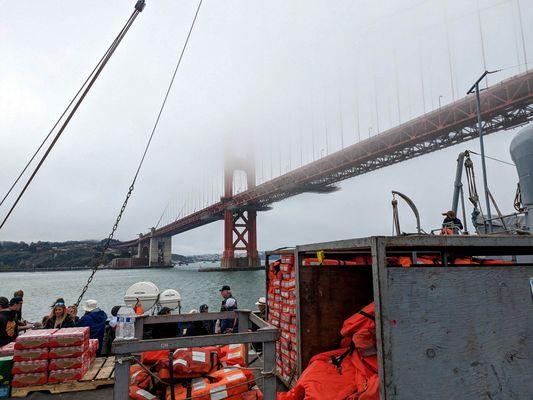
{"x": 59, "y": 317}
{"x": 8, "y": 323}
{"x": 95, "y": 319}
{"x": 228, "y": 304}
{"x": 452, "y": 222}
{"x": 167, "y": 330}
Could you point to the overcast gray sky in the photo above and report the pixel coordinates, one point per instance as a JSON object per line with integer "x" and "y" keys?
{"x": 272, "y": 75}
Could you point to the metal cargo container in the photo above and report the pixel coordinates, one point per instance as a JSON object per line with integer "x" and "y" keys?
{"x": 443, "y": 331}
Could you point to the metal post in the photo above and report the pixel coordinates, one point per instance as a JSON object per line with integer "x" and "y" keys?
{"x": 475, "y": 88}
{"x": 269, "y": 364}
{"x": 139, "y": 327}
{"x": 458, "y": 184}
{"x": 243, "y": 317}
{"x": 122, "y": 378}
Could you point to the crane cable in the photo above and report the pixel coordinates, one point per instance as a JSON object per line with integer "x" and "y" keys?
{"x": 132, "y": 186}
{"x": 59, "y": 120}
{"x": 139, "y": 6}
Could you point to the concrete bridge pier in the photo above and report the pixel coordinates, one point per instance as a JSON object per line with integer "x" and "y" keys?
{"x": 160, "y": 251}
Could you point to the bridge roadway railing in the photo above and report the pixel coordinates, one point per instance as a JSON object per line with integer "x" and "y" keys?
{"x": 267, "y": 334}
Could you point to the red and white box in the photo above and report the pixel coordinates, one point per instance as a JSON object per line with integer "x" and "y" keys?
{"x": 30, "y": 355}
{"x": 7, "y": 350}
{"x": 69, "y": 363}
{"x": 34, "y": 339}
{"x": 93, "y": 346}
{"x": 65, "y": 337}
{"x": 27, "y": 367}
{"x": 62, "y": 375}
{"x": 20, "y": 380}
{"x": 67, "y": 352}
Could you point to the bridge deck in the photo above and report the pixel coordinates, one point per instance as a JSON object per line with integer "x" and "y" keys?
{"x": 506, "y": 105}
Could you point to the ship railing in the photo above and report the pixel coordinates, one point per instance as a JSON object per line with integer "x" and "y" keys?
{"x": 267, "y": 334}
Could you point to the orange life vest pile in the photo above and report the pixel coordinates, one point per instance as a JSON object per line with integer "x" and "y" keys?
{"x": 281, "y": 300}
{"x": 202, "y": 373}
{"x": 348, "y": 373}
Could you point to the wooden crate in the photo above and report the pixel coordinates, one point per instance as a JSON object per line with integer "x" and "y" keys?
{"x": 102, "y": 373}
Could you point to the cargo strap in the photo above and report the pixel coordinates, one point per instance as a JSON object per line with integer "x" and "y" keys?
{"x": 369, "y": 316}
{"x": 337, "y": 361}
{"x": 171, "y": 372}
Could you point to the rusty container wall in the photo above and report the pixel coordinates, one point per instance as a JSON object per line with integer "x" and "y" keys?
{"x": 327, "y": 295}
{"x": 443, "y": 331}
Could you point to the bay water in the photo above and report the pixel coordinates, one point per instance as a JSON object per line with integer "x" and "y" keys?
{"x": 41, "y": 289}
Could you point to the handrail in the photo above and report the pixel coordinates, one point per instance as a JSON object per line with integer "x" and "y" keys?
{"x": 256, "y": 320}
{"x": 122, "y": 347}
{"x": 164, "y": 319}
{"x": 266, "y": 334}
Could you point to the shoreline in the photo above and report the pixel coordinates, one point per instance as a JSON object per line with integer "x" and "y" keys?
{"x": 52, "y": 269}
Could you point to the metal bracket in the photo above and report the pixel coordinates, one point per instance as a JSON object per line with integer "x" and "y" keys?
{"x": 139, "y": 6}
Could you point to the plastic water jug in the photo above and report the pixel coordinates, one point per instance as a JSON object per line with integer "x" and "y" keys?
{"x": 126, "y": 323}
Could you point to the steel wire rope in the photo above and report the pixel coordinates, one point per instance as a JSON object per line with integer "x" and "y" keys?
{"x": 58, "y": 121}
{"x": 107, "y": 56}
{"x": 132, "y": 185}
{"x": 494, "y": 159}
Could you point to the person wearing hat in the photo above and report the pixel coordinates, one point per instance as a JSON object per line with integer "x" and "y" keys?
{"x": 228, "y": 304}
{"x": 451, "y": 222}
{"x": 8, "y": 323}
{"x": 261, "y": 308}
{"x": 95, "y": 319}
{"x": 59, "y": 317}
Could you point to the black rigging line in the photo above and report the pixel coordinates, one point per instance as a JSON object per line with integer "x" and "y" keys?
{"x": 58, "y": 120}
{"x": 495, "y": 159}
{"x": 132, "y": 186}
{"x": 138, "y": 8}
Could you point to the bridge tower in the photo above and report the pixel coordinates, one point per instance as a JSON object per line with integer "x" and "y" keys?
{"x": 240, "y": 229}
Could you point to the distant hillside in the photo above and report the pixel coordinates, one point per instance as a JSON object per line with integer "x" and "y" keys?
{"x": 17, "y": 256}
{"x": 51, "y": 255}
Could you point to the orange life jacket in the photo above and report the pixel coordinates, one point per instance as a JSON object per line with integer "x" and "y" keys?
{"x": 198, "y": 388}
{"x": 137, "y": 393}
{"x": 191, "y": 362}
{"x": 150, "y": 358}
{"x": 233, "y": 354}
{"x": 140, "y": 378}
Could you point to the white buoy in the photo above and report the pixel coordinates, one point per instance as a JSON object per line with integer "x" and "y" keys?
{"x": 146, "y": 292}
{"x": 170, "y": 298}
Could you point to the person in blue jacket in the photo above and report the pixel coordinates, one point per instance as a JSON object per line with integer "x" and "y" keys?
{"x": 95, "y": 319}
